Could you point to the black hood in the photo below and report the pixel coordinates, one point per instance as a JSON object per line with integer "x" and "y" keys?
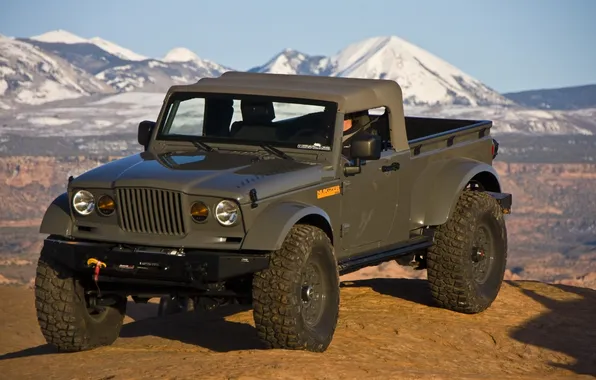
{"x": 230, "y": 175}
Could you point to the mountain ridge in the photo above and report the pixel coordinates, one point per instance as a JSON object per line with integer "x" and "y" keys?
{"x": 66, "y": 37}
{"x": 430, "y": 85}
{"x": 563, "y": 98}
{"x": 425, "y": 78}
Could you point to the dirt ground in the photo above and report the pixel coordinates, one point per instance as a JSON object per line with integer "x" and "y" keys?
{"x": 388, "y": 329}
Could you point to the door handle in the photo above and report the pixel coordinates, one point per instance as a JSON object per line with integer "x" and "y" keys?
{"x": 393, "y": 167}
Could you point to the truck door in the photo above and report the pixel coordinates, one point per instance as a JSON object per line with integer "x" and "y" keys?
{"x": 370, "y": 203}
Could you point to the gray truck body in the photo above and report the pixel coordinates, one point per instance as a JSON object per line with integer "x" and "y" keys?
{"x": 380, "y": 208}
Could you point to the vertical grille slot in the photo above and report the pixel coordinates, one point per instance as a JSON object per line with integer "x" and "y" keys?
{"x": 151, "y": 211}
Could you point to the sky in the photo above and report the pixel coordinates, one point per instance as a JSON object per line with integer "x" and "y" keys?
{"x": 510, "y": 45}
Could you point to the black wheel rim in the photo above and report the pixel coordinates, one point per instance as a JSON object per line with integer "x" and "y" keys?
{"x": 482, "y": 255}
{"x": 312, "y": 294}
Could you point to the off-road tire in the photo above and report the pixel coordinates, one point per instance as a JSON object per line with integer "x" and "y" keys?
{"x": 279, "y": 294}
{"x": 62, "y": 312}
{"x": 450, "y": 261}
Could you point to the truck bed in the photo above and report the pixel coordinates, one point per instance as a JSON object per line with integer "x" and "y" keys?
{"x": 430, "y": 134}
{"x": 420, "y": 129}
{"x": 427, "y": 133}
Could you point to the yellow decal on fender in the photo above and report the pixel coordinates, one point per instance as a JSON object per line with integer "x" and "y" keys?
{"x": 327, "y": 192}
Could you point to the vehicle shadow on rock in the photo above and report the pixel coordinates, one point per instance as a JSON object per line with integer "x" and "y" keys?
{"x": 133, "y": 310}
{"x": 568, "y": 326}
{"x": 44, "y": 349}
{"x": 412, "y": 290}
{"x": 140, "y": 311}
{"x": 207, "y": 329}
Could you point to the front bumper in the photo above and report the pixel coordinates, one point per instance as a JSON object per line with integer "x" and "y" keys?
{"x": 154, "y": 264}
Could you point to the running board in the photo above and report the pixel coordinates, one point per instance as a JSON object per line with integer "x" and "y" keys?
{"x": 376, "y": 257}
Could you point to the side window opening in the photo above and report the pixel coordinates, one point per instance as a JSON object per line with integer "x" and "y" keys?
{"x": 374, "y": 121}
{"x": 380, "y": 117}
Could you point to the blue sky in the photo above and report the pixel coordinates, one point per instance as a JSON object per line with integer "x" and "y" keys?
{"x": 509, "y": 44}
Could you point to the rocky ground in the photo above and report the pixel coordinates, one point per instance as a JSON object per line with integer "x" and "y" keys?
{"x": 388, "y": 326}
{"x": 388, "y": 329}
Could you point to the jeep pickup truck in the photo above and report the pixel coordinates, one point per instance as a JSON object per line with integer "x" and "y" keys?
{"x": 264, "y": 189}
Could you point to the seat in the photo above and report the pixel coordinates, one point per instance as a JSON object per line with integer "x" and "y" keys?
{"x": 217, "y": 117}
{"x": 254, "y": 114}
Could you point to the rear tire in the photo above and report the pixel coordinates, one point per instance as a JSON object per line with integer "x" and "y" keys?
{"x": 467, "y": 263}
{"x": 296, "y": 300}
{"x": 64, "y": 316}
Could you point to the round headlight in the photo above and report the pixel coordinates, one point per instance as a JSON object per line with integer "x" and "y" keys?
{"x": 199, "y": 212}
{"x": 83, "y": 202}
{"x": 106, "y": 205}
{"x": 226, "y": 213}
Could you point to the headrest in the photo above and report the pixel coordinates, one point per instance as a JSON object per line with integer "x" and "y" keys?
{"x": 257, "y": 112}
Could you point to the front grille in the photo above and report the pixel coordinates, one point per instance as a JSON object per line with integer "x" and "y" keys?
{"x": 151, "y": 211}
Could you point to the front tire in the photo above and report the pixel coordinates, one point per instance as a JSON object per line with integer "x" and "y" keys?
{"x": 466, "y": 265}
{"x": 296, "y": 300}
{"x": 63, "y": 313}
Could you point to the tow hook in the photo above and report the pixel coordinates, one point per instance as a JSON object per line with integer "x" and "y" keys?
{"x": 95, "y": 263}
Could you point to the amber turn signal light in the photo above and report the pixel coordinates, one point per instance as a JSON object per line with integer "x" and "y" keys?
{"x": 199, "y": 212}
{"x": 106, "y": 205}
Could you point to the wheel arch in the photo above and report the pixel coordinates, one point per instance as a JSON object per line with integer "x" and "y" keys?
{"x": 270, "y": 229}
{"x": 57, "y": 219}
{"x": 455, "y": 177}
{"x": 488, "y": 181}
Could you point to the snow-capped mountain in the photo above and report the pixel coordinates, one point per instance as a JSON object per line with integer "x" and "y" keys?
{"x": 179, "y": 66}
{"x": 87, "y": 57}
{"x": 424, "y": 78}
{"x": 65, "y": 37}
{"x": 158, "y": 76}
{"x": 115, "y": 68}
{"x": 60, "y": 36}
{"x": 294, "y": 62}
{"x": 180, "y": 54}
{"x": 29, "y": 75}
{"x": 59, "y": 65}
{"x": 117, "y": 50}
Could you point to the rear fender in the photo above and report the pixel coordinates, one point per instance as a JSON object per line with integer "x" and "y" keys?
{"x": 56, "y": 220}
{"x": 271, "y": 227}
{"x": 451, "y": 182}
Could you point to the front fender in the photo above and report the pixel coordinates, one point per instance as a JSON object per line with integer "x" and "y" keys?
{"x": 271, "y": 227}
{"x": 56, "y": 220}
{"x": 449, "y": 182}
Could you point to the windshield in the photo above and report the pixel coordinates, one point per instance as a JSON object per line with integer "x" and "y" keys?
{"x": 292, "y": 123}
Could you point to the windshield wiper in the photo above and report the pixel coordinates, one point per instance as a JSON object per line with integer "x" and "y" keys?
{"x": 202, "y": 145}
{"x": 275, "y": 151}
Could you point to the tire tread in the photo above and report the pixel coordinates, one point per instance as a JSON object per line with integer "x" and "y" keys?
{"x": 276, "y": 308}
{"x": 446, "y": 259}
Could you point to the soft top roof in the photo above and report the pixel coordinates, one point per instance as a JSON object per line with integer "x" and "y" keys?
{"x": 351, "y": 94}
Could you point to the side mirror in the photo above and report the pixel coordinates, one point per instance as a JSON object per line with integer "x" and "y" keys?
{"x": 364, "y": 146}
{"x": 144, "y": 132}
